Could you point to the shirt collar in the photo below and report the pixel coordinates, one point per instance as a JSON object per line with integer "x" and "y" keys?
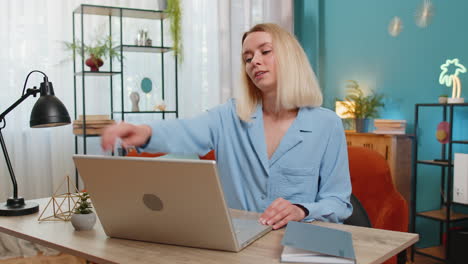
{"x": 302, "y": 123}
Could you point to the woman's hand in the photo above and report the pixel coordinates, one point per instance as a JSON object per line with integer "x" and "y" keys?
{"x": 280, "y": 212}
{"x": 131, "y": 135}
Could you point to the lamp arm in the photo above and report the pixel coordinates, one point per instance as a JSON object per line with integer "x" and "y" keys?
{"x": 2, "y": 141}
{"x": 10, "y": 168}
{"x": 15, "y": 104}
{"x": 27, "y": 77}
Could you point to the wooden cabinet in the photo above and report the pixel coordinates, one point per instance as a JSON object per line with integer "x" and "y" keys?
{"x": 396, "y": 149}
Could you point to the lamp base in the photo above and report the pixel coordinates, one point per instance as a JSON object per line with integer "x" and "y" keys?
{"x": 17, "y": 207}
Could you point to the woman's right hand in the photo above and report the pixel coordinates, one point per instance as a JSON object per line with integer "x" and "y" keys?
{"x": 131, "y": 135}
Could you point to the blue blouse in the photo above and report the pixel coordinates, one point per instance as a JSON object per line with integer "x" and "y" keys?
{"x": 309, "y": 167}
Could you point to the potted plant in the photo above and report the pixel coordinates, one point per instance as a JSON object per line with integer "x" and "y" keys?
{"x": 83, "y": 217}
{"x": 174, "y": 12}
{"x": 95, "y": 53}
{"x": 362, "y": 107}
{"x": 443, "y": 98}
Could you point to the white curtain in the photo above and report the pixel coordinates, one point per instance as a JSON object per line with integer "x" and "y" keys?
{"x": 212, "y": 46}
{"x": 236, "y": 17}
{"x": 31, "y": 38}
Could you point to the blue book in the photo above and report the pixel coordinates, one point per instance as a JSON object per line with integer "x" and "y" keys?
{"x": 308, "y": 243}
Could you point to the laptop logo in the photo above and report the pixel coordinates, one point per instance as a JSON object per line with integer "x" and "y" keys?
{"x": 153, "y": 202}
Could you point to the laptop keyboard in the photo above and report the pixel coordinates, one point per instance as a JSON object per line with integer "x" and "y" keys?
{"x": 246, "y": 229}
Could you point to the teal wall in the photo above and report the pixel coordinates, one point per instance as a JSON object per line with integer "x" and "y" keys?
{"x": 349, "y": 40}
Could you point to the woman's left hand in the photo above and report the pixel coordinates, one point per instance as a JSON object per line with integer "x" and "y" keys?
{"x": 280, "y": 212}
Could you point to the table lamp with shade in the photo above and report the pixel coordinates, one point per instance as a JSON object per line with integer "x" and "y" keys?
{"x": 48, "y": 111}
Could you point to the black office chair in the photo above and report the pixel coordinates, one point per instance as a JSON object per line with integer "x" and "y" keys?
{"x": 359, "y": 216}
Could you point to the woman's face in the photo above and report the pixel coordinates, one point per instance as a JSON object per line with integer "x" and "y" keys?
{"x": 259, "y": 59}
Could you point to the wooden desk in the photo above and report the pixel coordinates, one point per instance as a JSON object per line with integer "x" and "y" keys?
{"x": 370, "y": 245}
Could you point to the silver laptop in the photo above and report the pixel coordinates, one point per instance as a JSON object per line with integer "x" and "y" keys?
{"x": 168, "y": 201}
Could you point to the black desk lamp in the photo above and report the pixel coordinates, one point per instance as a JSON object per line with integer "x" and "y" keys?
{"x": 48, "y": 111}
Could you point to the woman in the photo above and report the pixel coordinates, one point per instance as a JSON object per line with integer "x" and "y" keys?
{"x": 277, "y": 151}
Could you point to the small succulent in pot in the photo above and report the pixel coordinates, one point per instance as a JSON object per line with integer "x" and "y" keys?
{"x": 83, "y": 217}
{"x": 443, "y": 98}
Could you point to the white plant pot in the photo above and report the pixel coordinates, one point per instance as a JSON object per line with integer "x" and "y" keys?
{"x": 83, "y": 222}
{"x": 443, "y": 100}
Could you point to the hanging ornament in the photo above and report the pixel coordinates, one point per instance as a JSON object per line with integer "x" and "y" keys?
{"x": 395, "y": 26}
{"x": 424, "y": 14}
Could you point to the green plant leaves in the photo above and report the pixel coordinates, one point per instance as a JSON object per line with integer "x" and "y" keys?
{"x": 175, "y": 14}
{"x": 360, "y": 105}
{"x": 84, "y": 206}
{"x": 102, "y": 49}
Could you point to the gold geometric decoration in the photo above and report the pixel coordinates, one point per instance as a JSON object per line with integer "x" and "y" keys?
{"x": 63, "y": 204}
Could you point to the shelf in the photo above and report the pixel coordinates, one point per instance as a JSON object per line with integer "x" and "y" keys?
{"x": 464, "y": 104}
{"x": 150, "y": 49}
{"x": 88, "y": 135}
{"x": 437, "y": 252}
{"x": 145, "y": 112}
{"x": 441, "y": 215}
{"x": 115, "y": 11}
{"x": 436, "y": 163}
{"x": 98, "y": 73}
{"x": 460, "y": 141}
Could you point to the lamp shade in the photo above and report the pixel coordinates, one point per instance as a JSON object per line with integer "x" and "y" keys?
{"x": 48, "y": 111}
{"x": 342, "y": 109}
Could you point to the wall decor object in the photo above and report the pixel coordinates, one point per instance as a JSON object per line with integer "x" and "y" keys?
{"x": 135, "y": 98}
{"x": 162, "y": 4}
{"x": 146, "y": 85}
{"x": 142, "y": 38}
{"x": 443, "y": 132}
{"x": 395, "y": 27}
{"x": 449, "y": 78}
{"x": 161, "y": 106}
{"x": 62, "y": 204}
{"x": 424, "y": 14}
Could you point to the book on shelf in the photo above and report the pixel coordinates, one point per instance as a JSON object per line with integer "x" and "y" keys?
{"x": 390, "y": 132}
{"x": 94, "y": 117}
{"x": 89, "y": 131}
{"x": 90, "y": 126}
{"x": 389, "y": 121}
{"x": 94, "y": 125}
{"x": 307, "y": 243}
{"x": 389, "y": 126}
{"x": 93, "y": 122}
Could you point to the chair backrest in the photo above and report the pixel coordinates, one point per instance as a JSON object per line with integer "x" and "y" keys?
{"x": 359, "y": 216}
{"x": 373, "y": 186}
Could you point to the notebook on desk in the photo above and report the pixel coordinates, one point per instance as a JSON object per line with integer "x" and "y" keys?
{"x": 169, "y": 201}
{"x": 308, "y": 243}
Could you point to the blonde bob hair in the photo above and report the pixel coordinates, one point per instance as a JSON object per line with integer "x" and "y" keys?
{"x": 297, "y": 84}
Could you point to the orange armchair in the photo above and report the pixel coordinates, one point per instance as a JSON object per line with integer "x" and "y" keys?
{"x": 373, "y": 186}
